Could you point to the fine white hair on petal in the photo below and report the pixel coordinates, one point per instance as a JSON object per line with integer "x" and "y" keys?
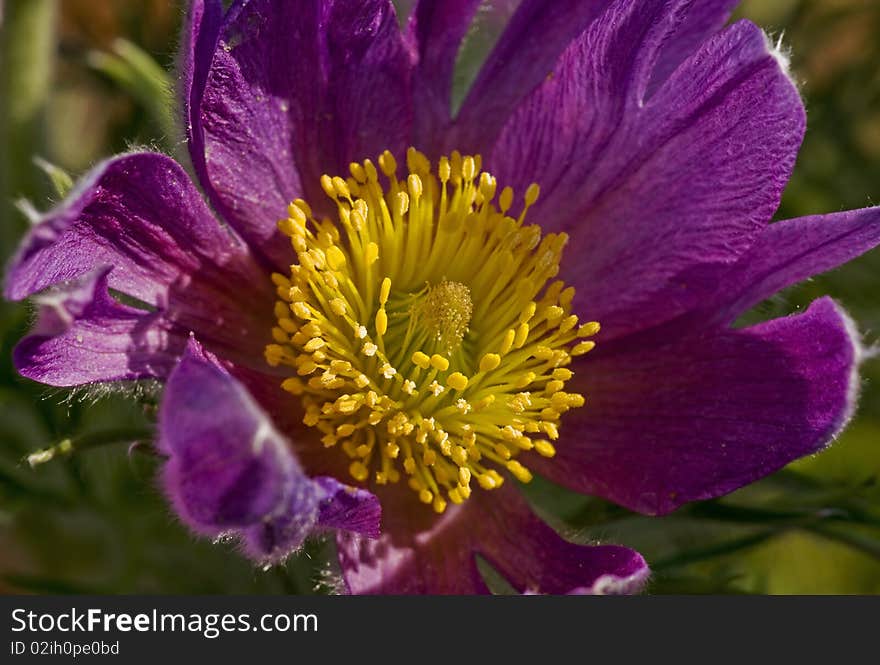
{"x": 781, "y": 53}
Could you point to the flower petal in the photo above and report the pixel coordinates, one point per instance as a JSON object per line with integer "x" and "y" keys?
{"x": 791, "y": 251}
{"x": 229, "y": 471}
{"x": 437, "y": 28}
{"x": 650, "y": 189}
{"x": 533, "y": 40}
{"x": 698, "y": 417}
{"x": 140, "y": 214}
{"x": 297, "y": 88}
{"x": 350, "y": 508}
{"x": 83, "y": 335}
{"x": 201, "y": 30}
{"x": 422, "y": 553}
{"x": 703, "y": 19}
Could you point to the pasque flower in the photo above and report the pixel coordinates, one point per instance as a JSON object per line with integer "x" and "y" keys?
{"x": 410, "y": 325}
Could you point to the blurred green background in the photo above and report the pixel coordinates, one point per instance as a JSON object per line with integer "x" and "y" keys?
{"x": 83, "y": 79}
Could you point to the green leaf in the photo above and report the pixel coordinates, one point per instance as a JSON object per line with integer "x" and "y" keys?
{"x": 137, "y": 73}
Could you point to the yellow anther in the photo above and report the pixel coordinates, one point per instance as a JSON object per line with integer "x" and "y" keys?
{"x": 522, "y": 333}
{"x": 280, "y": 280}
{"x": 414, "y": 184}
{"x": 384, "y": 291}
{"x": 555, "y": 313}
{"x": 582, "y": 348}
{"x": 589, "y": 329}
{"x": 550, "y": 430}
{"x": 443, "y": 169}
{"x": 524, "y": 380}
{"x": 457, "y": 381}
{"x": 306, "y": 368}
{"x": 528, "y": 312}
{"x": 370, "y": 170}
{"x": 550, "y": 414}
{"x": 575, "y": 400}
{"x": 345, "y": 430}
{"x": 314, "y": 344}
{"x": 521, "y": 473}
{"x": 293, "y": 385}
{"x": 421, "y": 360}
{"x": 339, "y": 366}
{"x": 554, "y": 386}
{"x": 506, "y": 199}
{"x": 532, "y": 194}
{"x": 542, "y": 352}
{"x": 358, "y": 172}
{"x": 562, "y": 374}
{"x": 468, "y": 168}
{"x": 302, "y": 205}
{"x": 439, "y": 363}
{"x": 301, "y": 310}
{"x": 545, "y": 448}
{"x": 503, "y": 451}
{"x": 401, "y": 204}
{"x": 335, "y": 257}
{"x": 297, "y": 216}
{"x": 387, "y": 163}
{"x": 359, "y": 471}
{"x": 341, "y": 187}
{"x": 425, "y": 496}
{"x": 381, "y": 321}
{"x": 484, "y": 402}
{"x": 439, "y": 505}
{"x": 327, "y": 186}
{"x": 486, "y": 481}
{"x": 372, "y": 253}
{"x": 507, "y": 343}
{"x": 489, "y": 362}
{"x": 337, "y": 306}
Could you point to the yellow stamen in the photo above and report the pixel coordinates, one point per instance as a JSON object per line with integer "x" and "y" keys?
{"x": 419, "y": 330}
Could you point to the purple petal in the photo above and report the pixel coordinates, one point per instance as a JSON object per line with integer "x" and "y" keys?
{"x": 141, "y": 215}
{"x": 349, "y": 508}
{"x": 698, "y": 417}
{"x": 201, "y": 30}
{"x": 437, "y": 28}
{"x": 791, "y": 251}
{"x": 703, "y": 19}
{"x": 83, "y": 335}
{"x": 298, "y": 88}
{"x": 422, "y": 553}
{"x": 138, "y": 213}
{"x": 649, "y": 190}
{"x": 537, "y": 34}
{"x": 230, "y": 472}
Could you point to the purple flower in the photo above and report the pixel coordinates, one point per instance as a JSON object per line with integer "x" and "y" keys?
{"x": 420, "y": 345}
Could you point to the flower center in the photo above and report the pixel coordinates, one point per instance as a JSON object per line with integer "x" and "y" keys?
{"x": 422, "y": 337}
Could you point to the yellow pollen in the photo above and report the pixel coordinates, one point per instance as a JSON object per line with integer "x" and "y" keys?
{"x": 421, "y": 330}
